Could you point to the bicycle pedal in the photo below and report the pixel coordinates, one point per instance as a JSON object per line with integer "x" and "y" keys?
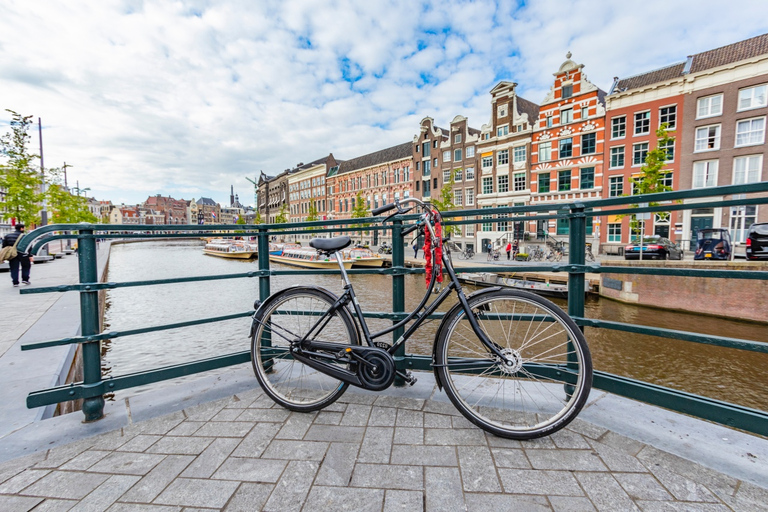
{"x": 409, "y": 378}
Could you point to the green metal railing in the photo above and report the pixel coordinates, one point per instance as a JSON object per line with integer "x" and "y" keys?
{"x": 94, "y": 386}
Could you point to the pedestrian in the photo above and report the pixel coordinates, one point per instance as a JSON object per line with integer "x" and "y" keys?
{"x": 415, "y": 247}
{"x": 515, "y": 249}
{"x": 22, "y": 260}
{"x": 509, "y": 250}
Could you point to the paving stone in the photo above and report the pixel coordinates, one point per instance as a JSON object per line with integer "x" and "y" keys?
{"x": 206, "y": 464}
{"x": 388, "y": 477}
{"x": 333, "y": 499}
{"x": 125, "y": 463}
{"x": 477, "y": 469}
{"x": 205, "y": 411}
{"x": 221, "y": 429}
{"x": 153, "y": 483}
{"x": 13, "y": 467}
{"x": 194, "y": 492}
{"x": 264, "y": 415}
{"x": 186, "y": 428}
{"x": 669, "y": 506}
{"x": 642, "y": 486}
{"x": 443, "y": 489}
{"x": 63, "y": 454}
{"x": 616, "y": 459}
{"x": 409, "y": 435}
{"x": 461, "y": 422}
{"x": 116, "y": 438}
{"x": 652, "y": 458}
{"x": 250, "y": 470}
{"x": 403, "y": 501}
{"x": 296, "y": 426}
{"x": 752, "y": 495}
{"x": 336, "y": 407}
{"x": 409, "y": 418}
{"x": 542, "y": 443}
{"x": 52, "y": 505}
{"x": 554, "y": 483}
{"x": 356, "y": 415}
{"x": 506, "y": 458}
{"x": 501, "y": 442}
{"x": 72, "y": 485}
{"x": 499, "y": 502}
{"x": 137, "y": 507}
{"x": 246, "y": 398}
{"x": 139, "y": 443}
{"x": 424, "y": 455}
{"x": 620, "y": 442}
{"x": 336, "y": 468}
{"x": 24, "y": 479}
{"x": 400, "y": 402}
{"x": 254, "y": 444}
{"x": 441, "y": 408}
{"x": 18, "y": 503}
{"x": 569, "y": 440}
{"x": 262, "y": 402}
{"x": 382, "y": 417}
{"x": 683, "y": 488}
{"x": 605, "y": 492}
{"x": 587, "y": 429}
{"x": 571, "y": 504}
{"x": 464, "y": 437}
{"x": 107, "y": 493}
{"x": 335, "y": 433}
{"x": 328, "y": 418}
{"x": 172, "y": 445}
{"x": 249, "y": 497}
{"x": 227, "y": 414}
{"x": 292, "y": 488}
{"x": 376, "y": 445}
{"x": 295, "y": 450}
{"x": 432, "y": 420}
{"x": 351, "y": 397}
{"x": 565, "y": 460}
{"x": 158, "y": 426}
{"x": 85, "y": 460}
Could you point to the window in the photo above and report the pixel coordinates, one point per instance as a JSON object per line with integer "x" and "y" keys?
{"x": 470, "y": 173}
{"x": 447, "y": 156}
{"x": 614, "y": 232}
{"x": 567, "y": 91}
{"x": 584, "y": 112}
{"x": 587, "y": 178}
{"x": 470, "y": 230}
{"x": 544, "y": 182}
{"x": 746, "y": 169}
{"x": 752, "y": 97}
{"x": 750, "y": 131}
{"x": 709, "y": 106}
{"x": 426, "y": 188}
{"x": 545, "y": 151}
{"x": 566, "y": 115}
{"x": 487, "y": 162}
{"x": 425, "y": 149}
{"x": 501, "y": 110}
{"x": 458, "y": 198}
{"x": 457, "y": 139}
{"x": 741, "y": 218}
{"x": 446, "y": 176}
{"x": 470, "y": 151}
{"x": 470, "y": 196}
{"x": 642, "y": 123}
{"x": 518, "y": 180}
{"x": 564, "y": 180}
{"x": 426, "y": 168}
{"x": 434, "y": 143}
{"x": 519, "y": 154}
{"x": 588, "y": 143}
{"x": 417, "y": 165}
{"x": 666, "y": 179}
{"x": 503, "y": 157}
{"x": 617, "y": 156}
{"x": 705, "y": 174}
{"x": 668, "y": 115}
{"x": 406, "y": 174}
{"x": 434, "y": 183}
{"x": 458, "y": 175}
{"x": 615, "y": 186}
{"x": 457, "y": 155}
{"x": 502, "y": 184}
{"x": 488, "y": 185}
{"x": 549, "y": 121}
{"x": 487, "y": 226}
{"x": 707, "y": 138}
{"x": 566, "y": 148}
{"x": 639, "y": 152}
{"x": 618, "y": 127}
{"x": 502, "y": 130}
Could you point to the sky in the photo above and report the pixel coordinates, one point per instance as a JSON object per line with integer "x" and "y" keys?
{"x": 189, "y": 97}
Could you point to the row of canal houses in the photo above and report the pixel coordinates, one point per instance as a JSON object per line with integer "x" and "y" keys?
{"x": 579, "y": 143}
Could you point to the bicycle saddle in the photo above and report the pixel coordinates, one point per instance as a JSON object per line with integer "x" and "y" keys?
{"x": 330, "y": 244}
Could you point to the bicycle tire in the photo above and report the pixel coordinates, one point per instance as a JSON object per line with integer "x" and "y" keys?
{"x": 287, "y": 315}
{"x": 550, "y": 355}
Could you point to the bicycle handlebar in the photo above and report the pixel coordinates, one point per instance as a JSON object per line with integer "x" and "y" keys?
{"x": 382, "y": 209}
{"x": 409, "y": 229}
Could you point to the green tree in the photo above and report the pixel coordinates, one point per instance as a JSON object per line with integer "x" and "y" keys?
{"x": 20, "y": 181}
{"x": 240, "y": 220}
{"x": 64, "y": 207}
{"x": 444, "y": 203}
{"x": 312, "y": 215}
{"x": 360, "y": 211}
{"x": 258, "y": 219}
{"x": 282, "y": 217}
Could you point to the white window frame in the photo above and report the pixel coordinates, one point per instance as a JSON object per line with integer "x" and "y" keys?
{"x": 469, "y": 173}
{"x": 647, "y": 148}
{"x": 487, "y": 162}
{"x": 469, "y": 196}
{"x": 614, "y": 121}
{"x": 742, "y": 176}
{"x": 501, "y": 131}
{"x": 644, "y": 122}
{"x": 545, "y": 148}
{"x": 623, "y": 157}
{"x": 457, "y": 155}
{"x": 518, "y": 181}
{"x": 470, "y": 150}
{"x": 707, "y": 169}
{"x": 519, "y": 154}
{"x": 458, "y": 197}
{"x": 671, "y": 126}
{"x": 672, "y": 146}
{"x": 457, "y": 139}
{"x": 752, "y": 97}
{"x": 708, "y": 101}
{"x": 458, "y": 174}
{"x": 614, "y": 232}
{"x": 569, "y": 116}
{"x": 611, "y": 188}
{"x": 446, "y": 175}
{"x": 502, "y": 183}
{"x": 754, "y": 136}
{"x": 447, "y": 156}
{"x": 487, "y": 179}
{"x": 701, "y": 137}
{"x": 502, "y": 157}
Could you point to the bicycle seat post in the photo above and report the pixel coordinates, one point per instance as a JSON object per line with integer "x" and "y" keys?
{"x": 344, "y": 276}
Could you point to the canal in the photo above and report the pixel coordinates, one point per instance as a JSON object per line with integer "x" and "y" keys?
{"x": 725, "y": 374}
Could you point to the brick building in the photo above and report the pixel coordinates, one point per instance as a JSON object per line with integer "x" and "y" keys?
{"x": 307, "y": 191}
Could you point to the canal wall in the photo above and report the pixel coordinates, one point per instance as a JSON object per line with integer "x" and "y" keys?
{"x": 723, "y": 297}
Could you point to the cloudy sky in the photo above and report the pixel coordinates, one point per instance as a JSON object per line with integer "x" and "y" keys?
{"x": 188, "y": 97}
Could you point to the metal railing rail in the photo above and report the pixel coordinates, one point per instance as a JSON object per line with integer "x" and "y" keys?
{"x": 93, "y": 386}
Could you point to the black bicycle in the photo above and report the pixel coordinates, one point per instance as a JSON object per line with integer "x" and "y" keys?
{"x": 467, "y": 254}
{"x": 513, "y": 363}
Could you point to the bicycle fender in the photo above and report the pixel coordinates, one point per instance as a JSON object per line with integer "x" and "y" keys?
{"x": 447, "y": 315}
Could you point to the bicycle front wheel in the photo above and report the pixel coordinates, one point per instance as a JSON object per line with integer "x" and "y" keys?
{"x": 545, "y": 381}
{"x": 289, "y": 316}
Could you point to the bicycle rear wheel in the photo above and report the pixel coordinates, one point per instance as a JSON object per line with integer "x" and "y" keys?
{"x": 287, "y": 317}
{"x": 549, "y": 376}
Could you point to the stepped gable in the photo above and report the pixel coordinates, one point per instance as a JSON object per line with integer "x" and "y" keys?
{"x": 379, "y": 157}
{"x": 728, "y": 54}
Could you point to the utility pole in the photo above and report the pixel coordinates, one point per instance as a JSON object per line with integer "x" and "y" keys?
{"x": 44, "y": 212}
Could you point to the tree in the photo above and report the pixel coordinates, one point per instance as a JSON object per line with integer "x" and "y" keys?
{"x": 20, "y": 181}
{"x": 312, "y": 214}
{"x": 359, "y": 212}
{"x": 444, "y": 203}
{"x": 64, "y": 207}
{"x": 282, "y": 217}
{"x": 258, "y": 219}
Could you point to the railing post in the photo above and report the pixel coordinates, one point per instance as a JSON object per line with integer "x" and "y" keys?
{"x": 577, "y": 239}
{"x": 263, "y": 263}
{"x": 398, "y": 295}
{"x": 93, "y": 407}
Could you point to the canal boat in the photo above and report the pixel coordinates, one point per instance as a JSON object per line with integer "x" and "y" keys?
{"x": 363, "y": 257}
{"x": 233, "y": 249}
{"x": 486, "y": 279}
{"x": 307, "y": 257}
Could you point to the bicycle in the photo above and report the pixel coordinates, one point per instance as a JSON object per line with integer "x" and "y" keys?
{"x": 512, "y": 362}
{"x": 554, "y": 255}
{"x": 536, "y": 254}
{"x": 588, "y": 256}
{"x": 467, "y": 254}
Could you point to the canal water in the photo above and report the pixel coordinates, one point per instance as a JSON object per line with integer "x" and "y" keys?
{"x": 725, "y": 374}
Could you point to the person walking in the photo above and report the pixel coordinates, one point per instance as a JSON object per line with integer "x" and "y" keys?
{"x": 509, "y": 250}
{"x": 515, "y": 249}
{"x": 415, "y": 247}
{"x": 22, "y": 260}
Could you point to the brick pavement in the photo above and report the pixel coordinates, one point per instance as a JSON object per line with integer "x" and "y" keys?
{"x": 366, "y": 452}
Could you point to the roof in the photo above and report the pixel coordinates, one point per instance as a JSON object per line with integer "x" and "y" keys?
{"x": 398, "y": 152}
{"x": 528, "y": 107}
{"x": 651, "y": 77}
{"x": 730, "y": 53}
{"x": 206, "y": 201}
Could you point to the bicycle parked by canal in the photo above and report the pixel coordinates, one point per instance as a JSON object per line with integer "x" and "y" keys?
{"x": 467, "y": 254}
{"x": 512, "y": 362}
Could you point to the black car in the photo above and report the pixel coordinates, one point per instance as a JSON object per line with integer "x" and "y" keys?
{"x": 654, "y": 247}
{"x": 713, "y": 244}
{"x": 757, "y": 242}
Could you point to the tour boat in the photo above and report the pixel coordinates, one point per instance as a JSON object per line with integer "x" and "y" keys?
{"x": 486, "y": 279}
{"x": 362, "y": 257}
{"x": 307, "y": 257}
{"x": 237, "y": 249}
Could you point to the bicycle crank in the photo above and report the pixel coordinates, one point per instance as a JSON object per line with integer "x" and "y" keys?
{"x": 373, "y": 368}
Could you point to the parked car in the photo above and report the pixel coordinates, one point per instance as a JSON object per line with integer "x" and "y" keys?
{"x": 713, "y": 244}
{"x": 757, "y": 242}
{"x": 654, "y": 247}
